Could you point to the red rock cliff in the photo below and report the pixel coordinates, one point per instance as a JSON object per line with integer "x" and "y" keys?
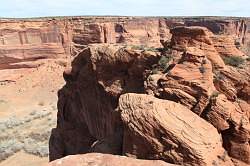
{"x": 26, "y": 40}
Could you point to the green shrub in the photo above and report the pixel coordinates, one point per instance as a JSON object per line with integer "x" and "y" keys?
{"x": 215, "y": 94}
{"x": 144, "y": 48}
{"x": 138, "y": 47}
{"x": 202, "y": 69}
{"x": 164, "y": 62}
{"x": 235, "y": 61}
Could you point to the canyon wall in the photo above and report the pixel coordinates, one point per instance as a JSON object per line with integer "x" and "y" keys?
{"x": 24, "y": 41}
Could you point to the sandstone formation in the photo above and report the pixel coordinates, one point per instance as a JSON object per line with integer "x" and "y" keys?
{"x": 94, "y": 87}
{"x": 27, "y": 40}
{"x": 98, "y": 159}
{"x": 162, "y": 129}
{"x": 199, "y": 37}
{"x": 97, "y": 87}
{"x": 196, "y": 82}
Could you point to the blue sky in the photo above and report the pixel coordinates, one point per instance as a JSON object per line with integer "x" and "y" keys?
{"x": 35, "y": 8}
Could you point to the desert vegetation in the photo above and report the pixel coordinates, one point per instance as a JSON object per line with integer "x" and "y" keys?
{"x": 235, "y": 61}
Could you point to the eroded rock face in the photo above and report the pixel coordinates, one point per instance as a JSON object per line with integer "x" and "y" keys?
{"x": 189, "y": 82}
{"x": 89, "y": 103}
{"x": 199, "y": 37}
{"x": 234, "y": 124}
{"x": 98, "y": 159}
{"x": 195, "y": 81}
{"x": 24, "y": 41}
{"x": 97, "y": 87}
{"x": 161, "y": 129}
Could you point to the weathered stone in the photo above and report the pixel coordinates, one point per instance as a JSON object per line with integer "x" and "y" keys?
{"x": 161, "y": 129}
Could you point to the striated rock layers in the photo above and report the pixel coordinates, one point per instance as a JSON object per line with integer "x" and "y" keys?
{"x": 162, "y": 129}
{"x": 180, "y": 104}
{"x": 215, "y": 92}
{"x": 24, "y": 42}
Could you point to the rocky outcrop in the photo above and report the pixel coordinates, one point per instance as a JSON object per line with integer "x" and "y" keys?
{"x": 98, "y": 159}
{"x": 189, "y": 82}
{"x": 194, "y": 81}
{"x": 233, "y": 83}
{"x": 92, "y": 91}
{"x": 161, "y": 129}
{"x": 234, "y": 125}
{"x": 97, "y": 108}
{"x": 225, "y": 46}
{"x": 92, "y": 109}
{"x": 199, "y": 37}
{"x": 237, "y": 30}
{"x": 97, "y": 87}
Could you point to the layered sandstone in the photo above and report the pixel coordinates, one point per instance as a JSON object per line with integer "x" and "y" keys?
{"x": 194, "y": 81}
{"x": 162, "y": 129}
{"x": 54, "y": 37}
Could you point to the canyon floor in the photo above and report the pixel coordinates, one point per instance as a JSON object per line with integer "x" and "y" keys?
{"x": 28, "y": 109}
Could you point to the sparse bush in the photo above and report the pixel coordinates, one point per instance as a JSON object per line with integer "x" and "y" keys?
{"x": 37, "y": 148}
{"x": 155, "y": 71}
{"x": 248, "y": 58}
{"x": 138, "y": 47}
{"x": 9, "y": 147}
{"x": 235, "y": 61}
{"x": 204, "y": 61}
{"x": 202, "y": 69}
{"x": 218, "y": 76}
{"x": 164, "y": 62}
{"x": 215, "y": 94}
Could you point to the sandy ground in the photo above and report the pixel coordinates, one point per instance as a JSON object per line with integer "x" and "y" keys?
{"x": 24, "y": 159}
{"x": 28, "y": 110}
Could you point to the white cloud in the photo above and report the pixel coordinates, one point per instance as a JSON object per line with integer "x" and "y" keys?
{"x": 31, "y": 8}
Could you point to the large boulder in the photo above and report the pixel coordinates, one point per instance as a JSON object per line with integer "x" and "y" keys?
{"x": 161, "y": 129}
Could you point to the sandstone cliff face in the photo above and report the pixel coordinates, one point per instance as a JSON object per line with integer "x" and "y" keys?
{"x": 22, "y": 43}
{"x": 26, "y": 41}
